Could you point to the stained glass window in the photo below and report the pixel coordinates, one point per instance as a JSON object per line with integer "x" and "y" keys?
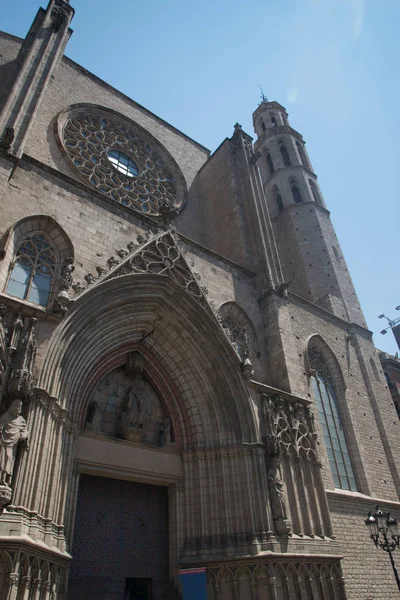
{"x": 331, "y": 422}
{"x": 32, "y": 270}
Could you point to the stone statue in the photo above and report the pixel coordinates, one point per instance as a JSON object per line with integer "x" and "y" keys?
{"x": 165, "y": 432}
{"x": 277, "y": 495}
{"x": 94, "y": 417}
{"x": 132, "y": 412}
{"x": 12, "y": 431}
{"x": 276, "y": 490}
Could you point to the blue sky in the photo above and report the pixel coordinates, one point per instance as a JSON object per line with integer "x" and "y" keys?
{"x": 332, "y": 63}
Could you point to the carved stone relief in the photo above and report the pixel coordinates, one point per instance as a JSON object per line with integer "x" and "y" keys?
{"x": 159, "y": 253}
{"x": 290, "y": 433}
{"x": 125, "y": 405}
{"x": 289, "y": 428}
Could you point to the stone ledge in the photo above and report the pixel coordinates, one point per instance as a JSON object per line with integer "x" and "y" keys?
{"x": 347, "y": 495}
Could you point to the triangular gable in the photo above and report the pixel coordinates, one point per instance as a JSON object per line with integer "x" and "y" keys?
{"x": 161, "y": 254}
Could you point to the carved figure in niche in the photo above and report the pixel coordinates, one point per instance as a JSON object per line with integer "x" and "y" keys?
{"x": 133, "y": 410}
{"x": 12, "y": 431}
{"x": 94, "y": 416}
{"x": 165, "y": 432}
{"x": 276, "y": 490}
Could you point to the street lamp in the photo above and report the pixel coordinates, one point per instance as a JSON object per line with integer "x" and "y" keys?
{"x": 384, "y": 533}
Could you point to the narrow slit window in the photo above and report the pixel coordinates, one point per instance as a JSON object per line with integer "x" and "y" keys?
{"x": 270, "y": 163}
{"x": 296, "y": 193}
{"x": 278, "y": 199}
{"x": 285, "y": 156}
{"x": 315, "y": 192}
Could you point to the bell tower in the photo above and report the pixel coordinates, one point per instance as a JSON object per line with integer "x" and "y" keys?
{"x": 311, "y": 258}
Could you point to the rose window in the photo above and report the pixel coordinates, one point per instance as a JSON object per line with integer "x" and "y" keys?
{"x": 121, "y": 162}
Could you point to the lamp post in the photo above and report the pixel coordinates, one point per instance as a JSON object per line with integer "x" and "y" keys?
{"x": 384, "y": 533}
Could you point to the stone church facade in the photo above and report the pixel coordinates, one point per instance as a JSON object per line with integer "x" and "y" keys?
{"x": 186, "y": 375}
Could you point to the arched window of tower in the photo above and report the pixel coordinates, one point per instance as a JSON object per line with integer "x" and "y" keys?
{"x": 270, "y": 163}
{"x": 263, "y": 126}
{"x": 315, "y": 192}
{"x": 296, "y": 192}
{"x": 302, "y": 154}
{"x": 273, "y": 120}
{"x": 278, "y": 198}
{"x": 285, "y": 155}
{"x": 284, "y": 119}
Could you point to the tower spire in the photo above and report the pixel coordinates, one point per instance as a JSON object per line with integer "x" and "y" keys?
{"x": 263, "y": 96}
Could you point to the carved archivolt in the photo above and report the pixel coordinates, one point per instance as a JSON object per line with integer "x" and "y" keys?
{"x": 239, "y": 329}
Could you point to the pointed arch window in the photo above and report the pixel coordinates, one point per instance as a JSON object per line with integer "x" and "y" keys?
{"x": 315, "y": 192}
{"x": 302, "y": 154}
{"x": 32, "y": 270}
{"x": 285, "y": 155}
{"x": 331, "y": 422}
{"x": 273, "y": 121}
{"x": 296, "y": 192}
{"x": 270, "y": 163}
{"x": 278, "y": 199}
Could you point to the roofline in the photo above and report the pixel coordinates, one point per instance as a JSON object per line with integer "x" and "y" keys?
{"x": 124, "y": 96}
{"x": 136, "y": 104}
{"x": 10, "y": 35}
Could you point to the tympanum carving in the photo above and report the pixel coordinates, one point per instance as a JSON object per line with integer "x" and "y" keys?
{"x": 126, "y": 405}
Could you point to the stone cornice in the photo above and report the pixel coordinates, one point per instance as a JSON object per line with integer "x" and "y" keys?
{"x": 359, "y": 497}
{"x": 271, "y": 391}
{"x": 12, "y": 542}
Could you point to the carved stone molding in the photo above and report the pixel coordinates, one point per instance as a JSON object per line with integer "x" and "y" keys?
{"x": 256, "y": 449}
{"x": 61, "y": 14}
{"x": 289, "y": 428}
{"x": 23, "y": 353}
{"x": 52, "y": 405}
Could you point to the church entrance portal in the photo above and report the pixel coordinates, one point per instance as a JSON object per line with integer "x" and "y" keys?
{"x": 120, "y": 549}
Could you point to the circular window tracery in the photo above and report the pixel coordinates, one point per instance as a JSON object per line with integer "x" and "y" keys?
{"x": 121, "y": 163}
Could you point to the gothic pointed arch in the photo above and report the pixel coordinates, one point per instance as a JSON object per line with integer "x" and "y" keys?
{"x": 239, "y": 329}
{"x": 197, "y": 371}
{"x": 327, "y": 384}
{"x": 36, "y": 248}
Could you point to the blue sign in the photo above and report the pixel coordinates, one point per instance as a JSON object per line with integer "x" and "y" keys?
{"x": 194, "y": 583}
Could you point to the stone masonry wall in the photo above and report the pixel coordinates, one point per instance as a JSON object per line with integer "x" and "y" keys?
{"x": 305, "y": 239}
{"x": 98, "y": 227}
{"x": 367, "y": 569}
{"x": 373, "y": 466}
